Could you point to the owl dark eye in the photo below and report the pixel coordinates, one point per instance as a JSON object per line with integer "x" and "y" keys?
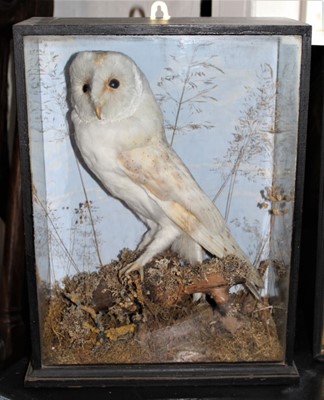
{"x": 114, "y": 83}
{"x": 86, "y": 88}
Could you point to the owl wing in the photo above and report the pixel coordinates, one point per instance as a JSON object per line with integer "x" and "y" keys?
{"x": 165, "y": 178}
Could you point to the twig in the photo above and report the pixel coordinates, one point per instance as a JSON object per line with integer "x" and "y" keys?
{"x": 90, "y": 212}
{"x": 56, "y": 233}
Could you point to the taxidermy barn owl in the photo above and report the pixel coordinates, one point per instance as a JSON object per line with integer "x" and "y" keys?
{"x": 120, "y": 134}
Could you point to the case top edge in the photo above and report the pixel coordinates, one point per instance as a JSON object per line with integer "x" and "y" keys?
{"x": 221, "y": 21}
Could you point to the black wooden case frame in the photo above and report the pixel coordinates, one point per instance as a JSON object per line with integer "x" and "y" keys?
{"x": 316, "y": 121}
{"x": 36, "y": 38}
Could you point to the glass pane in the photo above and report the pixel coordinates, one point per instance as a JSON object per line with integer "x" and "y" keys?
{"x": 230, "y": 110}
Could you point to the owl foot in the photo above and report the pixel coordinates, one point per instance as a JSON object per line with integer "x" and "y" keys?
{"x": 134, "y": 266}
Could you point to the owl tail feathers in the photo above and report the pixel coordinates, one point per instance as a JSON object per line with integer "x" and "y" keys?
{"x": 223, "y": 244}
{"x": 253, "y": 289}
{"x": 219, "y": 244}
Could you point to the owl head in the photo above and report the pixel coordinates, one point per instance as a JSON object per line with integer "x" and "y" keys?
{"x": 105, "y": 85}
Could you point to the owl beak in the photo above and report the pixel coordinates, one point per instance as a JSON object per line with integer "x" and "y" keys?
{"x": 98, "y": 111}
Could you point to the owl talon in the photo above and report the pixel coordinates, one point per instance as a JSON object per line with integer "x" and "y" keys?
{"x": 125, "y": 271}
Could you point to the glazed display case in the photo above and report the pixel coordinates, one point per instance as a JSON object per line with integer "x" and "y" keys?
{"x": 231, "y": 99}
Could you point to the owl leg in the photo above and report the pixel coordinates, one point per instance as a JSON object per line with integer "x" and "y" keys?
{"x": 163, "y": 239}
{"x": 188, "y": 249}
{"x": 148, "y": 235}
{"x": 191, "y": 251}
